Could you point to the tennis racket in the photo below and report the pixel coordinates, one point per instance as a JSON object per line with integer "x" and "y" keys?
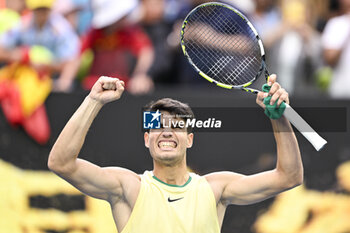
{"x": 223, "y": 47}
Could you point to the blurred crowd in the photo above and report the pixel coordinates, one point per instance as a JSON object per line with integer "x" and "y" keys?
{"x": 65, "y": 45}
{"x": 76, "y": 41}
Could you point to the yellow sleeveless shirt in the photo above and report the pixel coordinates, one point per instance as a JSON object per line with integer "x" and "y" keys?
{"x": 164, "y": 208}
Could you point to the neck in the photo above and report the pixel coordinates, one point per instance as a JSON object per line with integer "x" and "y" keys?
{"x": 174, "y": 175}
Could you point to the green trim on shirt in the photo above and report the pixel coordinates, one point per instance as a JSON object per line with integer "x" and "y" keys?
{"x": 173, "y": 185}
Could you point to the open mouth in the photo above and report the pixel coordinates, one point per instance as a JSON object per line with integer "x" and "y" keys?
{"x": 166, "y": 145}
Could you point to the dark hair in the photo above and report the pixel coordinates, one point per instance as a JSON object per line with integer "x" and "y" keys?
{"x": 174, "y": 107}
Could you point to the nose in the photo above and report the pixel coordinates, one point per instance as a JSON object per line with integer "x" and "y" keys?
{"x": 167, "y": 133}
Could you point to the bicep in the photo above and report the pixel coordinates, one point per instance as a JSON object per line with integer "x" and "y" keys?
{"x": 95, "y": 181}
{"x": 241, "y": 189}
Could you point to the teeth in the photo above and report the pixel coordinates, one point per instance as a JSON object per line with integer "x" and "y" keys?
{"x": 167, "y": 144}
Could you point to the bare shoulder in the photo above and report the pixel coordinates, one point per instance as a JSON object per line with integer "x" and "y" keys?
{"x": 219, "y": 180}
{"x": 129, "y": 181}
{"x": 122, "y": 173}
{"x": 222, "y": 177}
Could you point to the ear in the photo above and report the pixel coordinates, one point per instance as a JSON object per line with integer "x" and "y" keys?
{"x": 190, "y": 140}
{"x": 146, "y": 138}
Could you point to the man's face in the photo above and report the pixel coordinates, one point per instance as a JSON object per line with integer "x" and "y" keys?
{"x": 168, "y": 144}
{"x": 41, "y": 16}
{"x": 345, "y": 4}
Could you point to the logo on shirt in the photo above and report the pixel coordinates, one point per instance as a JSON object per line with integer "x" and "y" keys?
{"x": 151, "y": 120}
{"x": 176, "y": 199}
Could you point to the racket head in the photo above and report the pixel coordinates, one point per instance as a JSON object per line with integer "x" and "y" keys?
{"x": 222, "y": 45}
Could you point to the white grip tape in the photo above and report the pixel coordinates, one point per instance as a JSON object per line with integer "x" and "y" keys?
{"x": 304, "y": 128}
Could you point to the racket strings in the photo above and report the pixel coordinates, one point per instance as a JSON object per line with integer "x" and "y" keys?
{"x": 222, "y": 45}
{"x": 244, "y": 61}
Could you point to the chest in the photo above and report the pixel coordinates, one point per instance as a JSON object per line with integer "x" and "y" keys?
{"x": 47, "y": 37}
{"x": 192, "y": 210}
{"x": 114, "y": 41}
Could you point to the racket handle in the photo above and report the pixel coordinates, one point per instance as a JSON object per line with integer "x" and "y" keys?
{"x": 304, "y": 128}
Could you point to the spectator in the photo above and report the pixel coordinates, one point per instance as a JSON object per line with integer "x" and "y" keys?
{"x": 41, "y": 27}
{"x": 151, "y": 16}
{"x": 181, "y": 71}
{"x": 84, "y": 16}
{"x": 113, "y": 39}
{"x": 41, "y": 44}
{"x": 69, "y": 10}
{"x": 73, "y": 11}
{"x": 336, "y": 51}
{"x": 292, "y": 44}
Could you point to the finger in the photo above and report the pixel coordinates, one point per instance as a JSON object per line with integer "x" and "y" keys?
{"x": 108, "y": 83}
{"x": 271, "y": 79}
{"x": 276, "y": 96}
{"x": 122, "y": 83}
{"x": 261, "y": 96}
{"x": 274, "y": 88}
{"x": 107, "y": 79}
{"x": 283, "y": 98}
{"x": 120, "y": 86}
{"x": 109, "y": 86}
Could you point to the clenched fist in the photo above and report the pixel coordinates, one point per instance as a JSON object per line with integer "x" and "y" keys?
{"x": 107, "y": 89}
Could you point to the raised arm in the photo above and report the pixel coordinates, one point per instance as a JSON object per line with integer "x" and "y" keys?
{"x": 233, "y": 188}
{"x": 91, "y": 179}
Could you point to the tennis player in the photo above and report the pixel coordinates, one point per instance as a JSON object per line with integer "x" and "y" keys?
{"x": 169, "y": 199}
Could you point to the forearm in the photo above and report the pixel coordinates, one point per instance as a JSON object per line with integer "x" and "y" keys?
{"x": 65, "y": 81}
{"x": 144, "y": 62}
{"x": 69, "y": 143}
{"x": 14, "y": 55}
{"x": 4, "y": 56}
{"x": 331, "y": 56}
{"x": 70, "y": 69}
{"x": 289, "y": 163}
